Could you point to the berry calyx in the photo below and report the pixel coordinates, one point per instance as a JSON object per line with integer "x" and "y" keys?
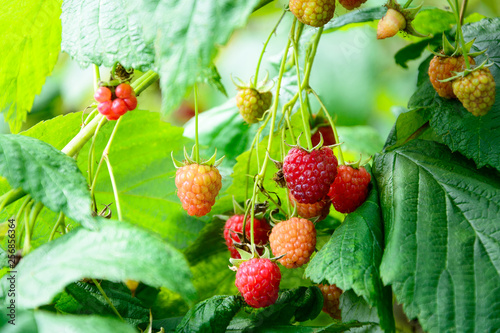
{"x": 258, "y": 281}
{"x": 295, "y": 240}
{"x": 390, "y": 24}
{"x": 102, "y": 94}
{"x": 124, "y": 90}
{"x": 197, "y": 187}
{"x": 351, "y": 4}
{"x": 350, "y": 188}
{"x": 331, "y": 300}
{"x": 252, "y": 103}
{"x": 315, "y": 13}
{"x": 318, "y": 210}
{"x": 234, "y": 225}
{"x": 441, "y": 68}
{"x": 308, "y": 175}
{"x": 476, "y": 91}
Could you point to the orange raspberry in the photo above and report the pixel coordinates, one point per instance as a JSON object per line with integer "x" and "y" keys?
{"x": 441, "y": 68}
{"x": 318, "y": 209}
{"x": 331, "y": 304}
{"x": 294, "y": 238}
{"x": 197, "y": 186}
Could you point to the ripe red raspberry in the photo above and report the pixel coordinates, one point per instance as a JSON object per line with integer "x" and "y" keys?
{"x": 119, "y": 107}
{"x": 441, "y": 68}
{"x": 102, "y": 94}
{"x": 350, "y": 188}
{"x": 309, "y": 175}
{"x": 131, "y": 102}
{"x": 258, "y": 280}
{"x": 104, "y": 108}
{"x": 328, "y": 136}
{"x": 476, "y": 91}
{"x": 296, "y": 238}
{"x": 351, "y": 4}
{"x": 124, "y": 90}
{"x": 390, "y": 24}
{"x": 234, "y": 225}
{"x": 197, "y": 187}
{"x": 252, "y": 103}
{"x": 331, "y": 303}
{"x": 318, "y": 209}
{"x": 315, "y": 13}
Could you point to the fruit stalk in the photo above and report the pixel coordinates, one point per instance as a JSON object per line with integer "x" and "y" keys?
{"x": 196, "y": 156}
{"x": 265, "y": 46}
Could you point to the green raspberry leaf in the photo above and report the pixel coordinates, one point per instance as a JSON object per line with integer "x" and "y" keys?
{"x": 442, "y": 237}
{"x": 355, "y": 16}
{"x": 47, "y": 322}
{"x": 211, "y": 315}
{"x": 186, "y": 35}
{"x": 30, "y": 44}
{"x": 117, "y": 251}
{"x": 91, "y": 301}
{"x": 475, "y": 137}
{"x": 352, "y": 256}
{"x": 102, "y": 32}
{"x": 48, "y": 175}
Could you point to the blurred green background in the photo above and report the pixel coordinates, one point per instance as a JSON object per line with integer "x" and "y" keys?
{"x": 354, "y": 73}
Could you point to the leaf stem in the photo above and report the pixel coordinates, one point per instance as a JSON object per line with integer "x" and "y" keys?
{"x": 332, "y": 124}
{"x": 27, "y": 230}
{"x": 97, "y": 77}
{"x": 115, "y": 189}
{"x": 59, "y": 221}
{"x": 196, "y": 138}
{"x": 103, "y": 293}
{"x": 265, "y": 46}
{"x": 91, "y": 158}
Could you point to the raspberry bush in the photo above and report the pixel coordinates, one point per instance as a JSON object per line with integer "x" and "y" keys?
{"x": 333, "y": 179}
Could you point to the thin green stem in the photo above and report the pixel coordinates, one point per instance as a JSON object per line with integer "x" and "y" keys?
{"x": 196, "y": 112}
{"x": 113, "y": 69}
{"x": 18, "y": 218}
{"x": 303, "y": 111}
{"x": 59, "y": 221}
{"x": 97, "y": 77}
{"x": 462, "y": 11}
{"x": 91, "y": 157}
{"x": 115, "y": 189}
{"x": 27, "y": 230}
{"x": 103, "y": 293}
{"x": 104, "y": 157}
{"x": 264, "y": 48}
{"x": 33, "y": 216}
{"x": 332, "y": 124}
{"x": 460, "y": 33}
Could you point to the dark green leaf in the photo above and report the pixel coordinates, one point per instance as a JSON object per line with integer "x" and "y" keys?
{"x": 415, "y": 50}
{"x": 298, "y": 304}
{"x": 93, "y": 302}
{"x": 408, "y": 124}
{"x": 117, "y": 251}
{"x": 245, "y": 325}
{"x": 474, "y": 137}
{"x": 186, "y": 35}
{"x": 352, "y": 257}
{"x": 211, "y": 315}
{"x": 102, "y": 33}
{"x": 442, "y": 254}
{"x": 30, "y": 43}
{"x": 47, "y": 174}
{"x": 355, "y": 308}
{"x": 356, "y": 16}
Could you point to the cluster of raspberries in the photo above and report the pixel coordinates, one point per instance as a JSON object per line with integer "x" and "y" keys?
{"x": 115, "y": 102}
